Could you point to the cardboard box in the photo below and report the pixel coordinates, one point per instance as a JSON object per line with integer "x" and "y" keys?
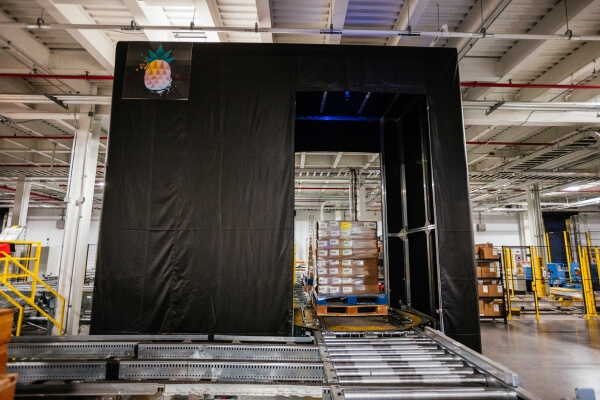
{"x": 346, "y": 230}
{"x": 335, "y": 290}
{"x": 366, "y": 289}
{"x": 6, "y": 324}
{"x": 348, "y": 254}
{"x": 494, "y": 309}
{"x": 7, "y": 386}
{"x": 481, "y": 308}
{"x": 367, "y": 264}
{"x": 489, "y": 290}
{"x": 346, "y": 244}
{"x": 359, "y": 272}
{"x": 323, "y": 289}
{"x": 352, "y": 280}
{"x": 487, "y": 269}
{"x": 488, "y": 253}
{"x": 328, "y": 263}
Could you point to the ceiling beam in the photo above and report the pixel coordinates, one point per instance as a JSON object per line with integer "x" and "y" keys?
{"x": 94, "y": 42}
{"x": 338, "y": 18}
{"x": 546, "y": 149}
{"x": 18, "y": 115}
{"x": 530, "y": 118}
{"x": 207, "y": 14}
{"x": 410, "y": 14}
{"x": 23, "y": 43}
{"x": 525, "y": 50}
{"x": 265, "y": 18}
{"x": 473, "y": 23}
{"x": 584, "y": 95}
{"x": 576, "y": 63}
{"x": 150, "y": 15}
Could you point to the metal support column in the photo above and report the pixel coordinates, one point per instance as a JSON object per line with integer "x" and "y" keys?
{"x": 362, "y": 200}
{"x": 79, "y": 201}
{"x": 521, "y": 222}
{"x": 534, "y": 212}
{"x": 19, "y": 212}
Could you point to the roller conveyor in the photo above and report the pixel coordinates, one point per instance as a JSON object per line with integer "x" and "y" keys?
{"x": 409, "y": 364}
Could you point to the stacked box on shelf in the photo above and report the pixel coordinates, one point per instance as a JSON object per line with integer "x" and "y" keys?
{"x": 7, "y": 381}
{"x": 489, "y": 281}
{"x": 347, "y": 255}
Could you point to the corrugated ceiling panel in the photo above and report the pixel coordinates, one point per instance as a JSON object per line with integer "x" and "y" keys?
{"x": 237, "y": 12}
{"x": 110, "y": 15}
{"x": 179, "y": 15}
{"x": 300, "y": 14}
{"x": 377, "y": 14}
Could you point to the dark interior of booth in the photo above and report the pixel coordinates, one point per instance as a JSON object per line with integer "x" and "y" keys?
{"x": 394, "y": 125}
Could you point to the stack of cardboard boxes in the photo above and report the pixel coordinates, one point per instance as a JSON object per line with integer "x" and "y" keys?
{"x": 7, "y": 381}
{"x": 347, "y": 255}
{"x": 489, "y": 281}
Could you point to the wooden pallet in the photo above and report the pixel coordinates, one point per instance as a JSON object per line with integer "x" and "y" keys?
{"x": 340, "y": 310}
{"x": 350, "y": 299}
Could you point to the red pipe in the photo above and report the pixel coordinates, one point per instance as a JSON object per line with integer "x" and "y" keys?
{"x": 464, "y": 84}
{"x": 526, "y": 85}
{"x": 45, "y": 137}
{"x": 42, "y": 76}
{"x": 512, "y": 143}
{"x": 41, "y": 196}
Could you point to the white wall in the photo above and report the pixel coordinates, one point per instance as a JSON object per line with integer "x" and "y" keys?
{"x": 41, "y": 225}
{"x": 501, "y": 229}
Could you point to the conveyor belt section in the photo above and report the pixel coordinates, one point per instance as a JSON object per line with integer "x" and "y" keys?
{"x": 404, "y": 365}
{"x": 353, "y": 365}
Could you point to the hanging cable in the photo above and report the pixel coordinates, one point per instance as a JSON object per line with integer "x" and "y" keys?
{"x": 568, "y": 33}
{"x": 408, "y": 27}
{"x": 483, "y": 31}
{"x": 40, "y": 20}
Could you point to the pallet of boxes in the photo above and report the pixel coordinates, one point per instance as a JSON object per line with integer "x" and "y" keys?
{"x": 347, "y": 283}
{"x": 7, "y": 381}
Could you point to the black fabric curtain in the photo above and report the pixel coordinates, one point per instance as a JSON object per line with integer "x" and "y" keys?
{"x": 197, "y": 222}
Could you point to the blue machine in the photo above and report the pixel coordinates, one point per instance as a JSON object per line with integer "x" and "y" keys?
{"x": 576, "y": 274}
{"x": 558, "y": 274}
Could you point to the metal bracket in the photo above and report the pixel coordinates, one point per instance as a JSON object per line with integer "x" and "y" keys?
{"x": 403, "y": 234}
{"x": 337, "y": 392}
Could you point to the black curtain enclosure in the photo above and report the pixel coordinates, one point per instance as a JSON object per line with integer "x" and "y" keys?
{"x": 197, "y": 223}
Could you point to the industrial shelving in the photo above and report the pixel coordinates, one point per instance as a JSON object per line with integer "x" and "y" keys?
{"x": 491, "y": 287}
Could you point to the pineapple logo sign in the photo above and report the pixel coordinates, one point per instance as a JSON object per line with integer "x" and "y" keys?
{"x": 157, "y": 71}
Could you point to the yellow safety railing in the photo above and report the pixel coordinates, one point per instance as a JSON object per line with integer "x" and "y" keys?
{"x": 22, "y": 273}
{"x": 536, "y": 281}
{"x": 589, "y": 300}
{"x": 508, "y": 267}
{"x": 568, "y": 254}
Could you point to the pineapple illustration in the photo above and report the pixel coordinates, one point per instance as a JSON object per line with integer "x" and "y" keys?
{"x": 158, "y": 71}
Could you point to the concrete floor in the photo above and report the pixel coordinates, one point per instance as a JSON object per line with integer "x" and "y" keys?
{"x": 552, "y": 356}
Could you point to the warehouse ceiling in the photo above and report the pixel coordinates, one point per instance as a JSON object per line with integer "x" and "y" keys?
{"x": 57, "y": 60}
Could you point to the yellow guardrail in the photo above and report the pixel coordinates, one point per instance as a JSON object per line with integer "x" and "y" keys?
{"x": 589, "y": 300}
{"x": 21, "y": 274}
